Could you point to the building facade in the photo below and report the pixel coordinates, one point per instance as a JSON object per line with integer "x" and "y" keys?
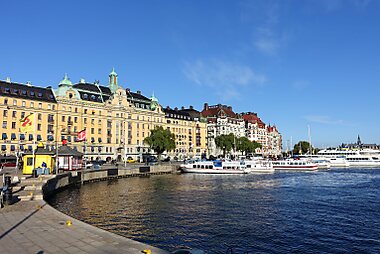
{"x": 221, "y": 120}
{"x": 189, "y": 130}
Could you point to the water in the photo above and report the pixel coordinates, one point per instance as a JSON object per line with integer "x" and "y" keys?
{"x": 336, "y": 211}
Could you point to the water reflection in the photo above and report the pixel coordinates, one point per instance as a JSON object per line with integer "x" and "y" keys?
{"x": 277, "y": 213}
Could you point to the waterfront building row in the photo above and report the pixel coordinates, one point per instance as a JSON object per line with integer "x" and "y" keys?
{"x": 116, "y": 121}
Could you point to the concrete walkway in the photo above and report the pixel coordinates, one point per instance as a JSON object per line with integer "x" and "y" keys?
{"x": 35, "y": 227}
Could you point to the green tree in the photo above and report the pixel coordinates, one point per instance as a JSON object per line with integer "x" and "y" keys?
{"x": 160, "y": 140}
{"x": 225, "y": 142}
{"x": 246, "y": 146}
{"x": 302, "y": 147}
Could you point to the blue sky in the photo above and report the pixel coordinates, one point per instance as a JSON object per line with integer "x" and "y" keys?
{"x": 295, "y": 63}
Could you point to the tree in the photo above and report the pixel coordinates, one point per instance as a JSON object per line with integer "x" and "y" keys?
{"x": 302, "y": 146}
{"x": 225, "y": 142}
{"x": 160, "y": 140}
{"x": 244, "y": 145}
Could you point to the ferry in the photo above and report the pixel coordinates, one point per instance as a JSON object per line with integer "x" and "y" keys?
{"x": 353, "y": 157}
{"x": 298, "y": 165}
{"x": 259, "y": 166}
{"x": 215, "y": 167}
{"x": 323, "y": 163}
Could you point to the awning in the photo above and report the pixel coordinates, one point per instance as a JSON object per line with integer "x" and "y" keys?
{"x": 4, "y": 136}
{"x": 13, "y": 136}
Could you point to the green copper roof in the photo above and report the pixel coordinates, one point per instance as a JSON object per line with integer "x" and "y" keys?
{"x": 153, "y": 98}
{"x": 65, "y": 81}
{"x": 113, "y": 73}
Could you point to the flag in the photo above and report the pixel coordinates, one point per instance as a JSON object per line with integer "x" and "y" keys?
{"x": 81, "y": 136}
{"x": 27, "y": 124}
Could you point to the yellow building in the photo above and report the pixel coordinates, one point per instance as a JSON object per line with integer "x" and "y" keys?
{"x": 41, "y": 155}
{"x": 190, "y": 132}
{"x": 115, "y": 120}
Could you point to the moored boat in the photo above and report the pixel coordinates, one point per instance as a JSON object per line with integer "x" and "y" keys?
{"x": 259, "y": 166}
{"x": 297, "y": 165}
{"x": 215, "y": 167}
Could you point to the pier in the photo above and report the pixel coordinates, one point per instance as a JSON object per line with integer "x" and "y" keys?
{"x": 30, "y": 225}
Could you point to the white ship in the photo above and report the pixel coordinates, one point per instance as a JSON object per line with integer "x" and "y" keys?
{"x": 353, "y": 157}
{"x": 215, "y": 167}
{"x": 298, "y": 165}
{"x": 259, "y": 166}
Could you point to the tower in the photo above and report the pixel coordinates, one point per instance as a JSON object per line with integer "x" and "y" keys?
{"x": 113, "y": 81}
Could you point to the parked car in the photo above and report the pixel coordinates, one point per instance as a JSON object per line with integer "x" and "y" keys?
{"x": 151, "y": 159}
{"x": 131, "y": 160}
{"x": 9, "y": 164}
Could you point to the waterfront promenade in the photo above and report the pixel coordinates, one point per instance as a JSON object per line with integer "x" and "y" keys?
{"x": 33, "y": 226}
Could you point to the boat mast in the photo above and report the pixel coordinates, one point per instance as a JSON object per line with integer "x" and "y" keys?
{"x": 310, "y": 148}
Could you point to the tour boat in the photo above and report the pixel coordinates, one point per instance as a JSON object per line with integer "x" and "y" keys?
{"x": 363, "y": 161}
{"x": 215, "y": 167}
{"x": 259, "y": 166}
{"x": 290, "y": 164}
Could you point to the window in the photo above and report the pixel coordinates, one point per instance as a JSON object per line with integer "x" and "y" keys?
{"x": 32, "y": 104}
{"x": 29, "y": 161}
{"x": 13, "y": 125}
{"x": 63, "y": 118}
{"x": 23, "y": 103}
{"x": 49, "y": 106}
{"x": 92, "y": 131}
{"x": 75, "y": 119}
{"x": 5, "y": 113}
{"x": 85, "y": 120}
{"x": 4, "y": 124}
{"x": 5, "y": 101}
{"x": 23, "y": 92}
{"x": 32, "y": 93}
{"x": 14, "y": 103}
{"x": 39, "y": 127}
{"x": 14, "y": 114}
{"x": 39, "y": 105}
{"x": 39, "y": 94}
{"x": 39, "y": 116}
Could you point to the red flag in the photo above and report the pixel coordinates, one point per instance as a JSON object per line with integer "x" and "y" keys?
{"x": 81, "y": 135}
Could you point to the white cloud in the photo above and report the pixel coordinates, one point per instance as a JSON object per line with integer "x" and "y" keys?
{"x": 334, "y": 5}
{"x": 325, "y": 120}
{"x": 227, "y": 78}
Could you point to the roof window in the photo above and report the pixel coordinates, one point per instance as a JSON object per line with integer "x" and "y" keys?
{"x": 32, "y": 93}
{"x": 85, "y": 96}
{"x": 7, "y": 90}
{"x": 23, "y": 92}
{"x": 39, "y": 94}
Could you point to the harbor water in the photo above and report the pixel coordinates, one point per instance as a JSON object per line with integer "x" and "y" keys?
{"x": 334, "y": 211}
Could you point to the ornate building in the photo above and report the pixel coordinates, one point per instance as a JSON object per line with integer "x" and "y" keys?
{"x": 221, "y": 120}
{"x": 116, "y": 120}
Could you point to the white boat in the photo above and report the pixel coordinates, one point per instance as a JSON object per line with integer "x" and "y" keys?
{"x": 338, "y": 162}
{"x": 322, "y": 163}
{"x": 259, "y": 166}
{"x": 290, "y": 164}
{"x": 215, "y": 167}
{"x": 352, "y": 157}
{"x": 363, "y": 161}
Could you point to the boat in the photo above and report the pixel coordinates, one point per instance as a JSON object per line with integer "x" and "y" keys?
{"x": 352, "y": 157}
{"x": 298, "y": 165}
{"x": 259, "y": 166}
{"x": 363, "y": 161}
{"x": 338, "y": 162}
{"x": 214, "y": 167}
{"x": 322, "y": 163}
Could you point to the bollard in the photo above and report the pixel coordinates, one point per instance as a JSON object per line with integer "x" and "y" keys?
{"x": 7, "y": 181}
{"x": 7, "y": 195}
{"x": 147, "y": 251}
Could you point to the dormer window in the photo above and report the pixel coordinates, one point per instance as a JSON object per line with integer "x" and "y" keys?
{"x": 85, "y": 96}
{"x": 93, "y": 97}
{"x": 15, "y": 91}
{"x": 39, "y": 94}
{"x": 32, "y": 93}
{"x": 23, "y": 92}
{"x": 7, "y": 90}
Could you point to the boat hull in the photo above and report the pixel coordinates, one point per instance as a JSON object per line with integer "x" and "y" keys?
{"x": 212, "y": 171}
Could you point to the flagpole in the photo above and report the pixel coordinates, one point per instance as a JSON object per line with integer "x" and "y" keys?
{"x": 56, "y": 144}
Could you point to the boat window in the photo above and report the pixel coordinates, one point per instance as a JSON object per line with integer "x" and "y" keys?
{"x": 202, "y": 166}
{"x": 194, "y": 166}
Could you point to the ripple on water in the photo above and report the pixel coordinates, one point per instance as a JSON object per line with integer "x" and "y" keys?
{"x": 333, "y": 211}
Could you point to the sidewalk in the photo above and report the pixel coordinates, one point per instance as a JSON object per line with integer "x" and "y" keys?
{"x": 36, "y": 227}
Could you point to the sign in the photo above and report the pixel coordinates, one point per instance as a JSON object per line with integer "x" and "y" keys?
{"x": 81, "y": 135}
{"x": 27, "y": 124}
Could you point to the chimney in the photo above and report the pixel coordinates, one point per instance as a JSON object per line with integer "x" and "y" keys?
{"x": 176, "y": 109}
{"x": 28, "y": 83}
{"x": 206, "y": 106}
{"x": 8, "y": 80}
{"x": 182, "y": 108}
{"x": 138, "y": 92}
{"x": 191, "y": 107}
{"x": 167, "y": 107}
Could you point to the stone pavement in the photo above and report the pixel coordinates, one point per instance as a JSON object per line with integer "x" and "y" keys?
{"x": 35, "y": 227}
